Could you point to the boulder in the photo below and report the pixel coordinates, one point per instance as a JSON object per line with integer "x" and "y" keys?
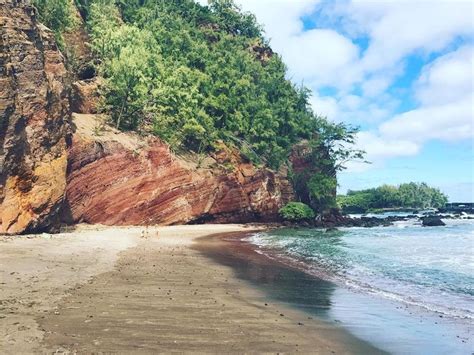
{"x": 432, "y": 221}
{"x": 85, "y": 96}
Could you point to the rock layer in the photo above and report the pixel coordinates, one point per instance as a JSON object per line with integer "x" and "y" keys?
{"x": 113, "y": 181}
{"x": 34, "y": 111}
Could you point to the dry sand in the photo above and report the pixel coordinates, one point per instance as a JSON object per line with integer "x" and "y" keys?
{"x": 103, "y": 289}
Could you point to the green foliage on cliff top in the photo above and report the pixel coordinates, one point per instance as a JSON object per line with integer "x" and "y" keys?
{"x": 195, "y": 75}
{"x": 199, "y": 75}
{"x": 410, "y": 195}
{"x": 296, "y": 211}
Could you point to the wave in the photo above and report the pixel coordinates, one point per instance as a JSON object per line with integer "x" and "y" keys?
{"x": 354, "y": 272}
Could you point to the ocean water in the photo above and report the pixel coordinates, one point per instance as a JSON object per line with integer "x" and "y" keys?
{"x": 404, "y": 288}
{"x": 431, "y": 267}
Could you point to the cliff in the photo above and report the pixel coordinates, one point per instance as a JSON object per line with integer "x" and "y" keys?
{"x": 34, "y": 113}
{"x": 54, "y": 169}
{"x": 120, "y": 179}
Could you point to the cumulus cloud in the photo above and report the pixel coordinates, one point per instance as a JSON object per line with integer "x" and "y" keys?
{"x": 448, "y": 78}
{"x": 398, "y": 28}
{"x": 445, "y": 91}
{"x": 379, "y": 148}
{"x": 350, "y": 108}
{"x": 361, "y": 76}
{"x": 448, "y": 122}
{"x": 315, "y": 56}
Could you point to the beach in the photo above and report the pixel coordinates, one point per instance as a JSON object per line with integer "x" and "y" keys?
{"x": 137, "y": 289}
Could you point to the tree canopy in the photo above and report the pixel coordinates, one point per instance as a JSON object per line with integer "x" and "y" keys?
{"x": 409, "y": 195}
{"x": 195, "y": 75}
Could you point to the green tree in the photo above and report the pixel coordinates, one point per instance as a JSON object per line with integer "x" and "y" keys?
{"x": 127, "y": 87}
{"x": 409, "y": 195}
{"x": 58, "y": 15}
{"x": 322, "y": 192}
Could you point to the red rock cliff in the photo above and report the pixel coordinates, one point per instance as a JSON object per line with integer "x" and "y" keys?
{"x": 114, "y": 179}
{"x": 34, "y": 110}
{"x": 100, "y": 175}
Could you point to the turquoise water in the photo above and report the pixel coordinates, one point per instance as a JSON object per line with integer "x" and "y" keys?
{"x": 430, "y": 268}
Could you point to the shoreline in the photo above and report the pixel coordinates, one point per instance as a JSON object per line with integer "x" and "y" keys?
{"x": 106, "y": 289}
{"x": 360, "y": 313}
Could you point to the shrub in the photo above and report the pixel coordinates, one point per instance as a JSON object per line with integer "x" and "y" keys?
{"x": 296, "y": 211}
{"x": 57, "y": 15}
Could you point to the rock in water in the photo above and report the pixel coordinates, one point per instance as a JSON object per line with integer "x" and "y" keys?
{"x": 432, "y": 221}
{"x": 34, "y": 111}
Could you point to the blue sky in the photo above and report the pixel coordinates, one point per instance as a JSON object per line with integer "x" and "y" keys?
{"x": 401, "y": 70}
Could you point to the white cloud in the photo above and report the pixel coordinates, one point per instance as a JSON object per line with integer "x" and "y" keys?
{"x": 352, "y": 108}
{"x": 376, "y": 85}
{"x": 319, "y": 57}
{"x": 326, "y": 106}
{"x": 394, "y": 30}
{"x": 448, "y": 78}
{"x": 448, "y": 122}
{"x": 398, "y": 28}
{"x": 445, "y": 91}
{"x": 281, "y": 18}
{"x": 378, "y": 147}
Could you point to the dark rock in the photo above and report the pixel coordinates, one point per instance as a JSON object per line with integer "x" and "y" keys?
{"x": 432, "y": 221}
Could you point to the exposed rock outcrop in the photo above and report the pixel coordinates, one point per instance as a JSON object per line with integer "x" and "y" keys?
{"x": 34, "y": 110}
{"x": 85, "y": 96}
{"x": 98, "y": 175}
{"x": 114, "y": 179}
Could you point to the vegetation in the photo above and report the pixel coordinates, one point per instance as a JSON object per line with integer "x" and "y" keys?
{"x": 57, "y": 15}
{"x": 196, "y": 75}
{"x": 199, "y": 75}
{"x": 410, "y": 195}
{"x": 296, "y": 211}
{"x": 325, "y": 155}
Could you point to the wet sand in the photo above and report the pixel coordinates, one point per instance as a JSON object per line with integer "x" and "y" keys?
{"x": 384, "y": 323}
{"x": 110, "y": 290}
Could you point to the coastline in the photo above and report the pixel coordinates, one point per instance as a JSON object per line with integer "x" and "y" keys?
{"x": 360, "y": 313}
{"x": 107, "y": 289}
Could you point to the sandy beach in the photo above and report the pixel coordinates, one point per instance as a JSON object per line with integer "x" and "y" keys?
{"x": 103, "y": 289}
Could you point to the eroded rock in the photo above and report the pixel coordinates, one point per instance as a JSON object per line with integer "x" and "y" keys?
{"x": 116, "y": 179}
{"x": 34, "y": 112}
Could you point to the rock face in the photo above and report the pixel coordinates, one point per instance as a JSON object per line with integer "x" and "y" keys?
{"x": 34, "y": 111}
{"x": 113, "y": 180}
{"x": 85, "y": 96}
{"x": 98, "y": 175}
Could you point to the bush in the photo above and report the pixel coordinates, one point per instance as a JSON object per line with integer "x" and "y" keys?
{"x": 296, "y": 211}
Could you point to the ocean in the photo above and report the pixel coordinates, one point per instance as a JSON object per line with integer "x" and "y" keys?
{"x": 404, "y": 288}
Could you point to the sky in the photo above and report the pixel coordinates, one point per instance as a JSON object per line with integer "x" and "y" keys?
{"x": 400, "y": 70}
